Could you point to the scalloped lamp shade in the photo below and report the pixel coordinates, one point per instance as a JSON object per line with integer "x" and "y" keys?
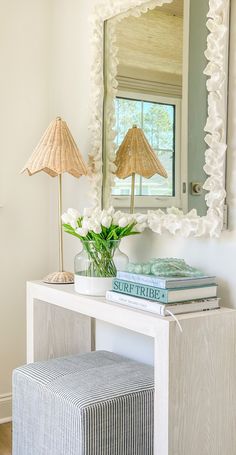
{"x": 136, "y": 156}
{"x": 55, "y": 154}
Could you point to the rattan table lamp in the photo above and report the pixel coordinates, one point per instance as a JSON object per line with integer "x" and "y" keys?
{"x": 55, "y": 154}
{"x": 136, "y": 156}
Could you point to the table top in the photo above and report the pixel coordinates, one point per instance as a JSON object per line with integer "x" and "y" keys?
{"x": 64, "y": 295}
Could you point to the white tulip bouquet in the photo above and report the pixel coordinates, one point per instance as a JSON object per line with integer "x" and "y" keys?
{"x": 100, "y": 232}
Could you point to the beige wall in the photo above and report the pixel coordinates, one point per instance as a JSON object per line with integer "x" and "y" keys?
{"x": 42, "y": 64}
{"x": 24, "y": 217}
{"x": 35, "y": 88}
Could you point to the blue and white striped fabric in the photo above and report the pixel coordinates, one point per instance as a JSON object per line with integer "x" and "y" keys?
{"x": 91, "y": 404}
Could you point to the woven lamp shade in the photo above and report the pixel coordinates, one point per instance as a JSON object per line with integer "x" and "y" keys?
{"x": 56, "y": 153}
{"x": 136, "y": 156}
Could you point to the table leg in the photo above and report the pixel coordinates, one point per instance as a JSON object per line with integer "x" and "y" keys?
{"x": 161, "y": 403}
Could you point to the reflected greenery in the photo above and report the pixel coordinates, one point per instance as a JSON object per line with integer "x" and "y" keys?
{"x": 158, "y": 123}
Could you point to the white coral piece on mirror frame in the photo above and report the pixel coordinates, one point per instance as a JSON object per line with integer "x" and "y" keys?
{"x": 174, "y": 222}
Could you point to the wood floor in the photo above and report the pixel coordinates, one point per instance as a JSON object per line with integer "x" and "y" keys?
{"x": 5, "y": 439}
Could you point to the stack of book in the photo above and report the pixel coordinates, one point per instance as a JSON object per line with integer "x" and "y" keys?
{"x": 164, "y": 296}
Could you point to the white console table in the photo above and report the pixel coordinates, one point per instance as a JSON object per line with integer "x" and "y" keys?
{"x": 195, "y": 371}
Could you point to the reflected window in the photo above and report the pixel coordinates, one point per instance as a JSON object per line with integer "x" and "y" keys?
{"x": 158, "y": 121}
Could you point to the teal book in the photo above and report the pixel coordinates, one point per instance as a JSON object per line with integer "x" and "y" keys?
{"x": 166, "y": 282}
{"x": 163, "y": 295}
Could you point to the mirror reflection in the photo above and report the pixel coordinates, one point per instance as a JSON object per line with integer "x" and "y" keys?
{"x": 159, "y": 77}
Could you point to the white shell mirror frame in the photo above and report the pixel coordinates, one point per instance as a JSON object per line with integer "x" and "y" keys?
{"x": 172, "y": 220}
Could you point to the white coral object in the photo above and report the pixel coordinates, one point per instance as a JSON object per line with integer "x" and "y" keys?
{"x": 216, "y": 53}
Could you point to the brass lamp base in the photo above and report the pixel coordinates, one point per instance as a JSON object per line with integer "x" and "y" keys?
{"x": 59, "y": 278}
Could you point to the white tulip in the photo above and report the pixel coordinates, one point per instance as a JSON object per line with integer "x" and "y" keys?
{"x": 131, "y": 219}
{"x": 106, "y": 221}
{"x": 73, "y": 223}
{"x": 111, "y": 211}
{"x": 82, "y": 232}
{"x": 97, "y": 228}
{"x": 73, "y": 213}
{"x": 88, "y": 211}
{"x": 96, "y": 213}
{"x": 90, "y": 224}
{"x": 140, "y": 227}
{"x": 65, "y": 218}
{"x": 123, "y": 222}
{"x": 117, "y": 216}
{"x": 85, "y": 223}
{"x": 68, "y": 219}
{"x": 141, "y": 218}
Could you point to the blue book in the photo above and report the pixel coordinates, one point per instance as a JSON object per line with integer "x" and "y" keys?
{"x": 163, "y": 295}
{"x": 166, "y": 282}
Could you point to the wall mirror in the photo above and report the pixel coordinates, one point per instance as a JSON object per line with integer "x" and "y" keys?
{"x": 160, "y": 68}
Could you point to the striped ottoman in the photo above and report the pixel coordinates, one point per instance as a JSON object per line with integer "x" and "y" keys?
{"x": 92, "y": 404}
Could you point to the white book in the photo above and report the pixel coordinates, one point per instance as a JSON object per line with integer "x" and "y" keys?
{"x": 166, "y": 282}
{"x": 163, "y": 309}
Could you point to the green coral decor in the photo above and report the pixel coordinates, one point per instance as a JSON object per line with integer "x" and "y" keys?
{"x": 168, "y": 267}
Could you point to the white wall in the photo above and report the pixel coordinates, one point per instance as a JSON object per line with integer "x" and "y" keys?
{"x": 24, "y": 229}
{"x": 46, "y": 57}
{"x": 70, "y": 79}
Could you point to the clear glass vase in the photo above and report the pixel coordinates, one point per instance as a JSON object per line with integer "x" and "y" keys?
{"x": 96, "y": 266}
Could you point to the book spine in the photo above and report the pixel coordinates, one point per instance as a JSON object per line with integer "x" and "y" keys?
{"x": 142, "y": 279}
{"x": 134, "y": 302}
{"x": 140, "y": 290}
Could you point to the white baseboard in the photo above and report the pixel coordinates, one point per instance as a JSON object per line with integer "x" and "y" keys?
{"x": 5, "y": 420}
{"x": 5, "y": 407}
